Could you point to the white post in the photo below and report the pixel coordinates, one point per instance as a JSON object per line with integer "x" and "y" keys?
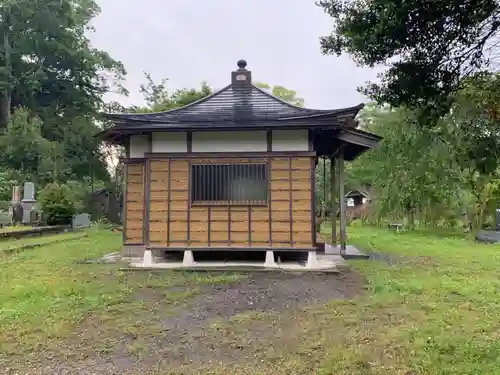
{"x": 312, "y": 260}
{"x": 270, "y": 259}
{"x": 147, "y": 261}
{"x": 188, "y": 259}
{"x": 343, "y": 208}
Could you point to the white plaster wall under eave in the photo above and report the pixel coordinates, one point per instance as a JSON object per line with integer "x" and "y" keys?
{"x": 230, "y": 141}
{"x": 139, "y": 145}
{"x": 290, "y": 140}
{"x": 169, "y": 142}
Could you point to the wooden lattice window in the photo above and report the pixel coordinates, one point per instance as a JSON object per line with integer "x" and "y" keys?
{"x": 229, "y": 184}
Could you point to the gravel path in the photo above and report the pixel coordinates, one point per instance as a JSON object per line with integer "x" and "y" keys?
{"x": 188, "y": 337}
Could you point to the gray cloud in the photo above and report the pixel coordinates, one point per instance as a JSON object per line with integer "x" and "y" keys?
{"x": 189, "y": 41}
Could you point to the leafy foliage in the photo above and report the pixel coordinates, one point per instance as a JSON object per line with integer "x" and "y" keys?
{"x": 429, "y": 45}
{"x": 158, "y": 98}
{"x": 58, "y": 203}
{"x": 450, "y": 172}
{"x": 289, "y": 96}
{"x": 6, "y": 184}
{"x": 50, "y": 66}
{"x": 52, "y": 83}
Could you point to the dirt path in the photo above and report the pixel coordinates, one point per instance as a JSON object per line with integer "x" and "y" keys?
{"x": 197, "y": 333}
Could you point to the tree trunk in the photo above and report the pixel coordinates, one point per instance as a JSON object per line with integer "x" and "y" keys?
{"x": 5, "y": 101}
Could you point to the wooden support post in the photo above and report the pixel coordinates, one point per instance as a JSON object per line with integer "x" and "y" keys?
{"x": 333, "y": 197}
{"x": 343, "y": 208}
{"x": 323, "y": 205}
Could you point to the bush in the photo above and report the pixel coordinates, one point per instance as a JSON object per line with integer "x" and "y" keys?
{"x": 58, "y": 203}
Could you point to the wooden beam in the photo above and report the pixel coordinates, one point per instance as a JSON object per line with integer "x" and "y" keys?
{"x": 333, "y": 196}
{"x": 124, "y": 207}
{"x": 325, "y": 191}
{"x": 147, "y": 193}
{"x": 228, "y": 155}
{"x": 146, "y": 203}
{"x": 169, "y": 188}
{"x": 269, "y": 204}
{"x": 314, "y": 229}
{"x": 359, "y": 137}
{"x": 343, "y": 208}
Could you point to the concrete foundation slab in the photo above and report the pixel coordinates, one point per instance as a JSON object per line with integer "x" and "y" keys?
{"x": 313, "y": 264}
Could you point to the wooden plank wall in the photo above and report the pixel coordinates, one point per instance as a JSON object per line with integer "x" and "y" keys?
{"x": 134, "y": 207}
{"x": 168, "y": 218}
{"x": 291, "y": 202}
{"x": 174, "y": 224}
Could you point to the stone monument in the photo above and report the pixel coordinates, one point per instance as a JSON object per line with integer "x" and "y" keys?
{"x": 81, "y": 221}
{"x": 15, "y": 208}
{"x": 491, "y": 236}
{"x": 28, "y": 202}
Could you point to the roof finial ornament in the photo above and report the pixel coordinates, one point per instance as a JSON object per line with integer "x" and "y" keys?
{"x": 242, "y": 64}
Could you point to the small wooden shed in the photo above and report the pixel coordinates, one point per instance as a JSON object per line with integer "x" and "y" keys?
{"x": 232, "y": 171}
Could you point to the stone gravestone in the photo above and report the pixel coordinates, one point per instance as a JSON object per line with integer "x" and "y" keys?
{"x": 16, "y": 194}
{"x": 491, "y": 236}
{"x": 28, "y": 202}
{"x": 5, "y": 219}
{"x": 81, "y": 221}
{"x": 17, "y": 213}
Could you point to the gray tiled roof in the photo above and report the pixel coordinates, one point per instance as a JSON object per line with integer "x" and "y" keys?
{"x": 232, "y": 105}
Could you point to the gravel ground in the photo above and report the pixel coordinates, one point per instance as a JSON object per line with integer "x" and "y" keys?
{"x": 197, "y": 333}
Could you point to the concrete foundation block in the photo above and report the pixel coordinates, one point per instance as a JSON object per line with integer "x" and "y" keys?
{"x": 312, "y": 260}
{"x": 148, "y": 258}
{"x": 270, "y": 259}
{"x": 133, "y": 251}
{"x": 188, "y": 259}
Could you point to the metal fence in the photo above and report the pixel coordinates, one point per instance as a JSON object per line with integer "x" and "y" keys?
{"x": 234, "y": 183}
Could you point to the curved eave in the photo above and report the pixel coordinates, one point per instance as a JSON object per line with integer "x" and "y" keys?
{"x": 349, "y": 111}
{"x": 357, "y": 142}
{"x": 126, "y": 116}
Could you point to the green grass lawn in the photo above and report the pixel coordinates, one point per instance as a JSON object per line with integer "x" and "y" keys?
{"x": 14, "y": 244}
{"x": 435, "y": 312}
{"x": 45, "y": 294}
{"x": 14, "y": 228}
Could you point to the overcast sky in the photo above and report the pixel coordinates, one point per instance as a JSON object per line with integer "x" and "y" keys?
{"x": 189, "y": 41}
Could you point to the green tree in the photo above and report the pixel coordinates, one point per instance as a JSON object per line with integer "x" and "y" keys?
{"x": 429, "y": 46}
{"x": 412, "y": 173}
{"x": 47, "y": 62}
{"x": 158, "y": 98}
{"x": 26, "y": 151}
{"x": 50, "y": 70}
{"x": 282, "y": 93}
{"x": 472, "y": 129}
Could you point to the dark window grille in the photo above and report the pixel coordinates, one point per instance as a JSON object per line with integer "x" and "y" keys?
{"x": 229, "y": 183}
